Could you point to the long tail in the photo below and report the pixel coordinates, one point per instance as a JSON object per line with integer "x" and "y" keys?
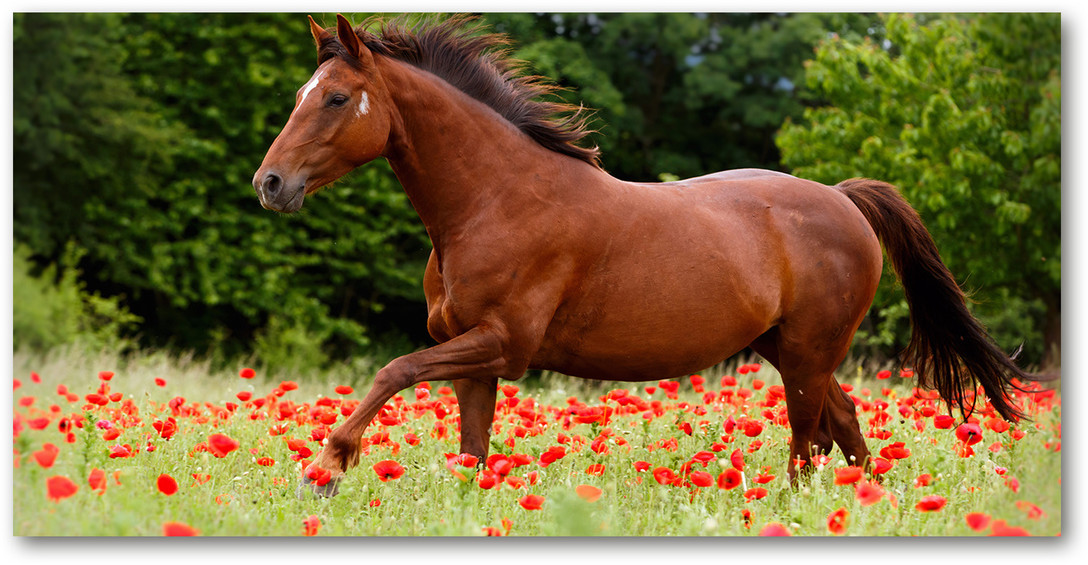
{"x": 949, "y": 349}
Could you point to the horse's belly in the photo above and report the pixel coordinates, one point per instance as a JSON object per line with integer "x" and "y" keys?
{"x": 633, "y": 342}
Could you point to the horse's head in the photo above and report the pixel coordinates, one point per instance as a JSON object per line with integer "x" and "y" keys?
{"x": 340, "y": 121}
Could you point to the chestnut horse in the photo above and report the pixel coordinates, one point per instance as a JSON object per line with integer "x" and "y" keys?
{"x": 543, "y": 260}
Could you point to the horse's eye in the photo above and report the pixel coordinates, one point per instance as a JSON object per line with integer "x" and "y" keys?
{"x": 337, "y": 100}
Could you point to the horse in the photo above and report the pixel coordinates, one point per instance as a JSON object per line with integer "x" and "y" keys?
{"x": 542, "y": 260}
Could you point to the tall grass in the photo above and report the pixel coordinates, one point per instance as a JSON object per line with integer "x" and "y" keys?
{"x": 243, "y": 498}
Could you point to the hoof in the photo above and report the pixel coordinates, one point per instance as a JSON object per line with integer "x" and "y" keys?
{"x": 328, "y": 490}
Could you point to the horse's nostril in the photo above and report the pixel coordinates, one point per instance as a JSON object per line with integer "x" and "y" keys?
{"x": 272, "y": 184}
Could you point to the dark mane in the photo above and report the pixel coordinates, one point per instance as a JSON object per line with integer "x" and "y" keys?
{"x": 477, "y": 63}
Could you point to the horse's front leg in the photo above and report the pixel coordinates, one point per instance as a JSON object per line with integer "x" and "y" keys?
{"x": 477, "y": 354}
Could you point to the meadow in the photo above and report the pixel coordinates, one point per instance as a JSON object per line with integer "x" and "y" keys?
{"x": 159, "y": 445}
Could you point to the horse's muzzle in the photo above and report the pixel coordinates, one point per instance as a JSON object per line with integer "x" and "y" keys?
{"x": 276, "y": 193}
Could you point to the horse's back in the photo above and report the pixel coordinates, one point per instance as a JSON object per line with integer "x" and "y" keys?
{"x": 689, "y": 272}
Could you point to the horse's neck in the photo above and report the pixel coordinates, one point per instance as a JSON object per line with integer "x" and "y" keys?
{"x": 458, "y": 159}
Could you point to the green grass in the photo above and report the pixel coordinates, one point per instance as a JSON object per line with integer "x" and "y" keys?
{"x": 242, "y": 498}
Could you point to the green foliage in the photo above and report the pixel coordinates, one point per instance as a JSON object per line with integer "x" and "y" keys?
{"x": 967, "y": 123}
{"x": 181, "y": 232}
{"x": 685, "y": 94}
{"x": 81, "y": 133}
{"x": 136, "y": 136}
{"x": 54, "y": 309}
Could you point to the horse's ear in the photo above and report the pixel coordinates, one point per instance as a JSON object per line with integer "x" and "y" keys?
{"x": 318, "y": 32}
{"x": 348, "y": 38}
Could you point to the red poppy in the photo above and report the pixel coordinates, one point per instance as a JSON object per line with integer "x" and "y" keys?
{"x": 943, "y": 421}
{"x": 1033, "y": 511}
{"x": 266, "y": 461}
{"x": 895, "y": 451}
{"x": 588, "y": 492}
{"x": 59, "y": 487}
{"x": 923, "y": 480}
{"x": 318, "y": 475}
{"x": 46, "y": 455}
{"x": 836, "y": 521}
{"x": 105, "y": 375}
{"x": 375, "y": 503}
{"x": 160, "y": 381}
{"x": 997, "y": 425}
{"x": 515, "y": 482}
{"x": 500, "y": 464}
{"x": 464, "y": 459}
{"x": 178, "y": 529}
{"x": 531, "y": 501}
{"x": 344, "y": 390}
{"x": 287, "y": 386}
{"x": 220, "y": 445}
{"x": 641, "y": 466}
{"x": 879, "y": 465}
{"x": 311, "y": 525}
{"x": 664, "y": 475}
{"x": 509, "y": 391}
{"x": 755, "y": 493}
{"x": 487, "y": 479}
{"x": 247, "y": 373}
{"x": 120, "y": 451}
{"x": 763, "y": 478}
{"x": 1000, "y": 528}
{"x": 737, "y": 459}
{"x": 848, "y": 475}
{"x": 752, "y": 428}
{"x": 595, "y": 469}
{"x": 774, "y": 529}
{"x": 931, "y": 503}
{"x": 884, "y": 375}
{"x": 868, "y": 493}
{"x": 729, "y": 479}
{"x": 97, "y": 480}
{"x": 969, "y": 433}
{"x": 388, "y": 470}
{"x": 167, "y": 485}
{"x": 244, "y": 395}
{"x": 701, "y": 478}
{"x": 166, "y": 428}
{"x": 977, "y": 521}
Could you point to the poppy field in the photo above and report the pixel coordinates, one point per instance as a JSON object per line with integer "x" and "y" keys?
{"x": 160, "y": 447}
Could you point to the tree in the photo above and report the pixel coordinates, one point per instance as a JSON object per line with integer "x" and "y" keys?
{"x": 137, "y": 136}
{"x": 684, "y": 94}
{"x": 80, "y": 131}
{"x": 963, "y": 114}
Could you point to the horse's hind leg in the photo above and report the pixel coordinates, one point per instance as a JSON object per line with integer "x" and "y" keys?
{"x": 476, "y": 399}
{"x": 841, "y": 420}
{"x": 816, "y": 406}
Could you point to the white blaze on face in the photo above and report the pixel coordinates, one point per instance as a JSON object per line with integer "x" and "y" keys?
{"x": 314, "y": 80}
{"x": 364, "y": 104}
